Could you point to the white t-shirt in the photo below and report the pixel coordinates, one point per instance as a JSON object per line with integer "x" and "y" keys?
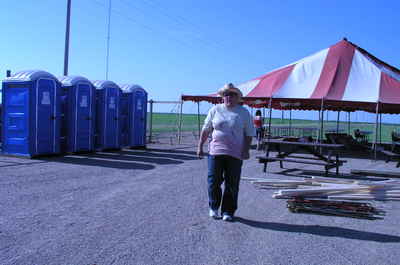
{"x": 229, "y": 126}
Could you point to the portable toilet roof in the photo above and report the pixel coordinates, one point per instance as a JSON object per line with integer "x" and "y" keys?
{"x": 73, "y": 80}
{"x": 30, "y": 75}
{"x": 127, "y": 88}
{"x": 100, "y": 84}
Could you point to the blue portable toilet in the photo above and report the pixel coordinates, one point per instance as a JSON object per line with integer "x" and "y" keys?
{"x": 31, "y": 114}
{"x": 137, "y": 114}
{"x": 78, "y": 112}
{"x": 107, "y": 132}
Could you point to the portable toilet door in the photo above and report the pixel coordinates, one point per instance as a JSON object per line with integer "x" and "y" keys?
{"x": 139, "y": 116}
{"x": 79, "y": 113}
{"x": 107, "y": 118}
{"x": 31, "y": 114}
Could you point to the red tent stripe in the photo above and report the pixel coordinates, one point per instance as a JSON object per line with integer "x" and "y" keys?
{"x": 389, "y": 91}
{"x": 335, "y": 73}
{"x": 271, "y": 82}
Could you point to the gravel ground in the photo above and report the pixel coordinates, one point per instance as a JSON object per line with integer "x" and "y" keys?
{"x": 150, "y": 207}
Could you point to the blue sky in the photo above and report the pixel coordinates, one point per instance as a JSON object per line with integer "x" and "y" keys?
{"x": 189, "y": 47}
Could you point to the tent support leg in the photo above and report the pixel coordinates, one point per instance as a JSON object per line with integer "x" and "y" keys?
{"x": 337, "y": 122}
{"x": 198, "y": 118}
{"x": 376, "y": 129}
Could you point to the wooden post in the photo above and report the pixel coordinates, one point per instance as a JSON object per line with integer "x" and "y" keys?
{"x": 151, "y": 120}
{"x": 180, "y": 123}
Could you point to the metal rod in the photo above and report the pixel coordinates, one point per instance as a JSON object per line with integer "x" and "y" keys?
{"x": 321, "y": 133}
{"x": 337, "y": 122}
{"x": 180, "y": 123}
{"x": 151, "y": 120}
{"x": 67, "y": 27}
{"x": 290, "y": 122}
{"x": 270, "y": 117}
{"x": 198, "y": 117}
{"x": 380, "y": 128}
{"x": 108, "y": 37}
{"x": 376, "y": 128}
{"x": 348, "y": 124}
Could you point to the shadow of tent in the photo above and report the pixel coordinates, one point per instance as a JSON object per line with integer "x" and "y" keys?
{"x": 166, "y": 154}
{"x": 92, "y": 161}
{"x": 328, "y": 231}
{"x": 118, "y": 155}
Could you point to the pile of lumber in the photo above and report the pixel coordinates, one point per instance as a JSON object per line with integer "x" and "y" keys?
{"x": 333, "y": 189}
{"x": 339, "y": 208}
{"x": 331, "y": 196}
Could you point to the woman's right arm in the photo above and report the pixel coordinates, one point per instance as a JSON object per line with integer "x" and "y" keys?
{"x": 203, "y": 137}
{"x": 207, "y": 128}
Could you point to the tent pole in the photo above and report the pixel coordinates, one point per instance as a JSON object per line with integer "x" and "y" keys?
{"x": 376, "y": 128}
{"x": 290, "y": 122}
{"x": 380, "y": 128}
{"x": 337, "y": 122}
{"x": 348, "y": 123}
{"x": 198, "y": 118}
{"x": 270, "y": 117}
{"x": 180, "y": 122}
{"x": 321, "y": 133}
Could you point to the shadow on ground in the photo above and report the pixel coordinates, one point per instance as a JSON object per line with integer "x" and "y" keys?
{"x": 127, "y": 158}
{"x": 329, "y": 231}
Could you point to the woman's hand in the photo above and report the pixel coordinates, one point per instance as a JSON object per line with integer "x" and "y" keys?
{"x": 200, "y": 152}
{"x": 245, "y": 155}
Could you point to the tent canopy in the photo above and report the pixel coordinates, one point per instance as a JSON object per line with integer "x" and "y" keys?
{"x": 342, "y": 77}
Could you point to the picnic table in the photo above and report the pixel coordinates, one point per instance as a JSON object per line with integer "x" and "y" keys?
{"x": 330, "y": 160}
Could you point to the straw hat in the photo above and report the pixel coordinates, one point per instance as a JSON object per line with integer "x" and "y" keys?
{"x": 230, "y": 88}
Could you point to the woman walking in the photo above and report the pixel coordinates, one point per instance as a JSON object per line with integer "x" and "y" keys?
{"x": 231, "y": 128}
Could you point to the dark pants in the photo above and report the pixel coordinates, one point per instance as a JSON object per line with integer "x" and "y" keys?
{"x": 224, "y": 168}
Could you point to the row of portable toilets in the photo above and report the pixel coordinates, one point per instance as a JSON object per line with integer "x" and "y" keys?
{"x": 43, "y": 115}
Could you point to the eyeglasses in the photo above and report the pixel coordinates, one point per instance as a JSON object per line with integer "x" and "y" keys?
{"x": 231, "y": 94}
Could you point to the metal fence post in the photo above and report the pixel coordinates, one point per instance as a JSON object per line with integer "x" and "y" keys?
{"x": 151, "y": 120}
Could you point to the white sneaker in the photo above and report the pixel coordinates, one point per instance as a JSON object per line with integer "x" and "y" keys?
{"x": 213, "y": 214}
{"x": 227, "y": 217}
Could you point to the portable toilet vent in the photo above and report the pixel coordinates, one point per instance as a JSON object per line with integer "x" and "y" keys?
{"x": 137, "y": 114}
{"x": 31, "y": 114}
{"x": 78, "y": 112}
{"x": 107, "y": 132}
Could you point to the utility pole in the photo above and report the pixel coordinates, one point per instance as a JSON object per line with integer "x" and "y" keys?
{"x": 66, "y": 50}
{"x": 108, "y": 37}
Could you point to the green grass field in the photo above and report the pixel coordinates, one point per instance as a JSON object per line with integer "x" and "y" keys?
{"x": 168, "y": 122}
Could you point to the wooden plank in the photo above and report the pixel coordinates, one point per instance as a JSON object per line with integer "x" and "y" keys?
{"x": 378, "y": 173}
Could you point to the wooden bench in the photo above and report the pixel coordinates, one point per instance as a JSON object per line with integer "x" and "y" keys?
{"x": 327, "y": 164}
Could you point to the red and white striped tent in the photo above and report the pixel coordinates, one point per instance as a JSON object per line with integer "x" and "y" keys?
{"x": 342, "y": 77}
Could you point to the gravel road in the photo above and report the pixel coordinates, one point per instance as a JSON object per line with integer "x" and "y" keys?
{"x": 150, "y": 207}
